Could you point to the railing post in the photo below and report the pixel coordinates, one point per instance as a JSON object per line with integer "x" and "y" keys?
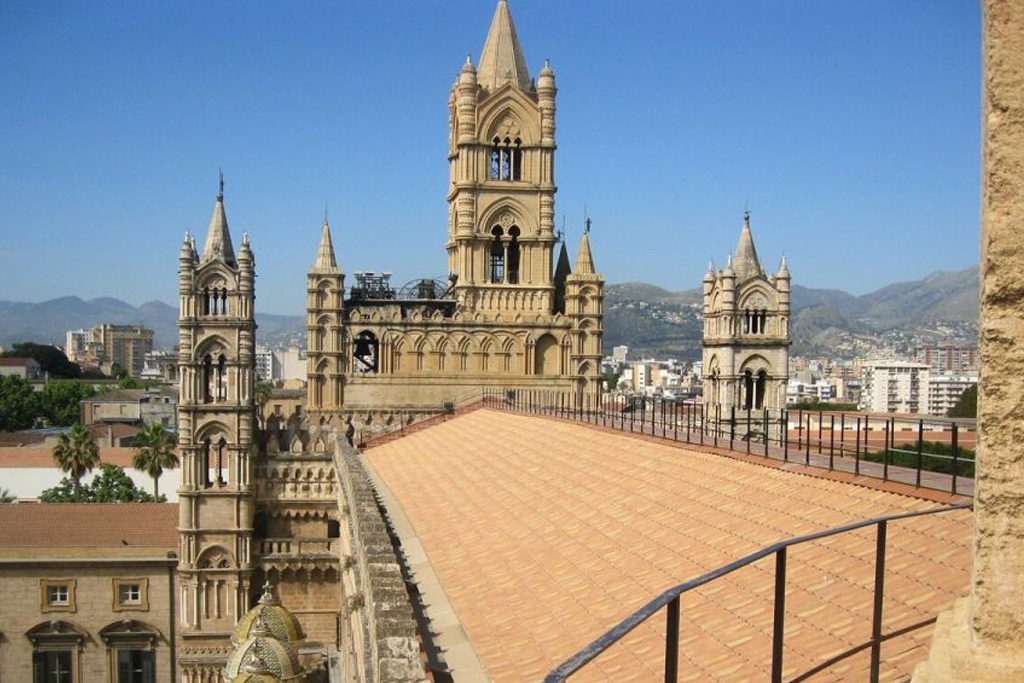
{"x": 842, "y": 435}
{"x": 867, "y": 435}
{"x": 955, "y": 465}
{"x": 832, "y": 441}
{"x": 766, "y": 431}
{"x": 885, "y": 453}
{"x": 807, "y": 442}
{"x": 732, "y": 425}
{"x": 920, "y": 450}
{"x": 799, "y": 430}
{"x": 672, "y": 641}
{"x": 749, "y": 424}
{"x": 876, "y": 618}
{"x": 784, "y": 426}
{"x": 779, "y": 622}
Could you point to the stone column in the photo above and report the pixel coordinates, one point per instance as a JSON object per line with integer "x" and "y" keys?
{"x": 981, "y": 639}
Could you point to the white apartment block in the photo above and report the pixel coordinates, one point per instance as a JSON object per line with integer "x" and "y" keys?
{"x": 944, "y": 391}
{"x": 893, "y": 386}
{"x": 619, "y": 353}
{"x": 817, "y": 390}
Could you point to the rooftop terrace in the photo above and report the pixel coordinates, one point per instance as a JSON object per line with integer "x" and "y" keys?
{"x": 540, "y": 534}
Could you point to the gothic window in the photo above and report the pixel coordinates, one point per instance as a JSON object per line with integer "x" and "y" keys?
{"x": 221, "y": 461}
{"x": 506, "y": 159}
{"x": 513, "y": 256}
{"x": 497, "y": 256}
{"x": 206, "y": 301}
{"x": 365, "y": 350}
{"x": 759, "y": 387}
{"x": 207, "y": 448}
{"x": 748, "y": 390}
{"x": 208, "y": 379}
{"x": 222, "y": 379}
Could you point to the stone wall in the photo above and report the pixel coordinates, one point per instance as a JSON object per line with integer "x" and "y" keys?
{"x": 382, "y": 626}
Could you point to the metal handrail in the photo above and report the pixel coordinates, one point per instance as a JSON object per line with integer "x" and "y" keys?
{"x": 670, "y": 599}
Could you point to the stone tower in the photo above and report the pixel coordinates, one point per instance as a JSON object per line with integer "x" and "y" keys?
{"x": 325, "y": 339}
{"x": 216, "y": 420}
{"x": 584, "y": 306}
{"x": 746, "y": 331}
{"x": 502, "y": 192}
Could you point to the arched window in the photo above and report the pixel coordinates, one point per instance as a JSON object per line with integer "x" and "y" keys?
{"x": 748, "y": 390}
{"x": 517, "y": 159}
{"x": 746, "y": 321}
{"x": 497, "y": 256}
{"x": 513, "y": 256}
{"x": 206, "y": 301}
{"x": 221, "y": 461}
{"x": 496, "y": 159}
{"x": 760, "y": 384}
{"x": 365, "y": 351}
{"x": 208, "y": 379}
{"x": 207, "y": 461}
{"x": 222, "y": 379}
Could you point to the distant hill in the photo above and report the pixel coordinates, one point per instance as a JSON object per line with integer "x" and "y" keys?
{"x": 48, "y": 322}
{"x": 636, "y": 313}
{"x": 651, "y": 320}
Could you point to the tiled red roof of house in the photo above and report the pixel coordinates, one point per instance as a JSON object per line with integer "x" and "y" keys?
{"x": 42, "y": 456}
{"x": 89, "y": 524}
{"x": 14, "y": 362}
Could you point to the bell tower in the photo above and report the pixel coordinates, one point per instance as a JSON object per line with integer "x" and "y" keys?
{"x": 216, "y": 419}
{"x": 325, "y": 304}
{"x": 746, "y": 331}
{"x": 502, "y": 191}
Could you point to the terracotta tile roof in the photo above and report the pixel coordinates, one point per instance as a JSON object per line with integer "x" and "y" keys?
{"x": 544, "y": 534}
{"x": 14, "y": 362}
{"x": 37, "y": 456}
{"x": 89, "y": 524}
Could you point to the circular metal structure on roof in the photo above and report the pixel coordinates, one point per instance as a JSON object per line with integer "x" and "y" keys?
{"x": 422, "y": 289}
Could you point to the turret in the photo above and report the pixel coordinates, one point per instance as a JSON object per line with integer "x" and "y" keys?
{"x": 729, "y": 285}
{"x": 782, "y": 282}
{"x": 546, "y": 92}
{"x": 466, "y": 102}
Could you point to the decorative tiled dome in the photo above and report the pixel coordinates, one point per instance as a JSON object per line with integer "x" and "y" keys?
{"x": 265, "y": 657}
{"x": 281, "y": 623}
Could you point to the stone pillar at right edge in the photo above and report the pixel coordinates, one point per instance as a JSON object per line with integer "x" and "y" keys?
{"x": 981, "y": 639}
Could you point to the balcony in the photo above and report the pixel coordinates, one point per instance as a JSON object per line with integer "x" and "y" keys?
{"x": 299, "y": 548}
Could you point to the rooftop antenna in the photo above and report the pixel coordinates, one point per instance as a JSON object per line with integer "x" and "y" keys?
{"x": 746, "y": 210}
{"x": 220, "y": 189}
{"x": 560, "y": 234}
{"x": 325, "y": 211}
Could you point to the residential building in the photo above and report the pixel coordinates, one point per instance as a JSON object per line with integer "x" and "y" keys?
{"x": 265, "y": 366}
{"x": 944, "y": 391}
{"x": 948, "y": 359}
{"x": 156, "y": 405}
{"x": 619, "y": 353}
{"x": 25, "y": 368}
{"x": 87, "y": 592}
{"x": 892, "y": 386}
{"x": 161, "y": 366}
{"x": 105, "y": 346}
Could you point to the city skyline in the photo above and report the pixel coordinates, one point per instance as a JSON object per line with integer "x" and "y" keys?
{"x": 850, "y": 131}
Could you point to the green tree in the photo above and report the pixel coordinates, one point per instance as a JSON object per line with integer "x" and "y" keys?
{"x": 967, "y": 406}
{"x": 155, "y": 453}
{"x": 60, "y": 401}
{"x": 6, "y": 496}
{"x": 111, "y": 485}
{"x": 76, "y": 453}
{"x": 50, "y": 358}
{"x": 19, "y": 404}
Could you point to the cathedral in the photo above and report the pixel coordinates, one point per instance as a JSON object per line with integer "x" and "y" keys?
{"x": 265, "y": 502}
{"x": 511, "y": 316}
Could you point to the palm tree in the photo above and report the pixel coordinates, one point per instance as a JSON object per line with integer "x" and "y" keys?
{"x": 6, "y": 496}
{"x": 156, "y": 453}
{"x": 76, "y": 452}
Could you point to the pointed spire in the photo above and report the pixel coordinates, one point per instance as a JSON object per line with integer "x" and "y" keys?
{"x": 218, "y": 239}
{"x": 502, "y": 57}
{"x": 562, "y": 269}
{"x": 747, "y": 265}
{"x": 325, "y": 254}
{"x": 584, "y": 260}
{"x": 783, "y": 268}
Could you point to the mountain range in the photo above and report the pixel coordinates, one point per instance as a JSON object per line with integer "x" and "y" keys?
{"x": 647, "y": 318}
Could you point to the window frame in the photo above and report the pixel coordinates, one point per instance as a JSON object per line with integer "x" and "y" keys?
{"x": 45, "y": 603}
{"x": 120, "y": 584}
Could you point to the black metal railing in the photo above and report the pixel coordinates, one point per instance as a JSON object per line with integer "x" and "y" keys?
{"x": 927, "y": 452}
{"x": 670, "y": 601}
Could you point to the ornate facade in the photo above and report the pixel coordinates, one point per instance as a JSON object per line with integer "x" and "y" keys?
{"x": 746, "y": 331}
{"x": 506, "y": 318}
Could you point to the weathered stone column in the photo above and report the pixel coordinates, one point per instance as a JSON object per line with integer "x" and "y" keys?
{"x": 982, "y": 638}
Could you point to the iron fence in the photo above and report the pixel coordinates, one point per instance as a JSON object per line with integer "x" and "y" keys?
{"x": 670, "y": 599}
{"x": 921, "y": 451}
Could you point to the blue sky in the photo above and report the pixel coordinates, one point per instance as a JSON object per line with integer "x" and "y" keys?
{"x": 851, "y": 128}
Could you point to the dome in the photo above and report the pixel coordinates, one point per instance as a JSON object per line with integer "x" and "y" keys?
{"x": 279, "y": 622}
{"x": 264, "y": 659}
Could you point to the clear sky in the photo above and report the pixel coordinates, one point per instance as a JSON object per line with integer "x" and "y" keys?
{"x": 851, "y": 127}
